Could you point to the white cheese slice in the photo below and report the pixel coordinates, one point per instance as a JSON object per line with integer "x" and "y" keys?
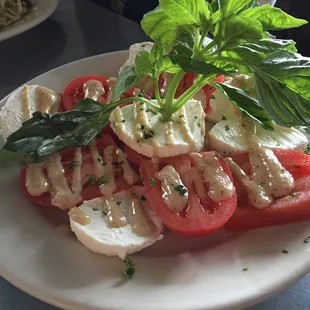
{"x": 16, "y": 111}
{"x": 100, "y": 238}
{"x": 134, "y": 50}
{"x": 220, "y": 106}
{"x": 184, "y": 134}
{"x": 227, "y": 138}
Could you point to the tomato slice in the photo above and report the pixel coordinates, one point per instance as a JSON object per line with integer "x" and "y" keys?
{"x": 289, "y": 209}
{"x": 209, "y": 91}
{"x": 74, "y": 91}
{"x": 90, "y": 190}
{"x": 199, "y": 217}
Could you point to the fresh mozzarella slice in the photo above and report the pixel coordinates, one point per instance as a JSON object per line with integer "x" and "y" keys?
{"x": 228, "y": 137}
{"x": 22, "y": 103}
{"x": 134, "y": 50}
{"x": 119, "y": 226}
{"x": 220, "y": 105}
{"x": 144, "y": 131}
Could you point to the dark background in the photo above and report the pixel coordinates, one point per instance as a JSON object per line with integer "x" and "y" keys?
{"x": 134, "y": 10}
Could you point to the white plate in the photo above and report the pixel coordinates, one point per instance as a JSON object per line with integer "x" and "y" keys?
{"x": 177, "y": 273}
{"x": 43, "y": 10}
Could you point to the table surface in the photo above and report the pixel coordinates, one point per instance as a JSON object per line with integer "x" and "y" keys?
{"x": 78, "y": 29}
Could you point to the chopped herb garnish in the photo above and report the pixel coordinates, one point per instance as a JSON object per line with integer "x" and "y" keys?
{"x": 123, "y": 121}
{"x": 212, "y": 97}
{"x": 99, "y": 159}
{"x": 195, "y": 117}
{"x": 224, "y": 118}
{"x": 297, "y": 166}
{"x": 143, "y": 198}
{"x": 74, "y": 164}
{"x": 148, "y": 134}
{"x": 307, "y": 149}
{"x": 226, "y": 127}
{"x": 285, "y": 251}
{"x": 217, "y": 155}
{"x": 152, "y": 182}
{"x": 181, "y": 116}
{"x": 245, "y": 269}
{"x": 151, "y": 111}
{"x": 130, "y": 269}
{"x": 102, "y": 180}
{"x": 293, "y": 195}
{"x": 92, "y": 179}
{"x": 199, "y": 125}
{"x": 95, "y": 209}
{"x": 118, "y": 202}
{"x": 181, "y": 189}
{"x": 307, "y": 239}
{"x": 141, "y": 109}
{"x": 142, "y": 127}
{"x": 283, "y": 170}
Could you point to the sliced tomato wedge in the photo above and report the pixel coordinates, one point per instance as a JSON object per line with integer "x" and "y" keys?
{"x": 134, "y": 157}
{"x": 289, "y": 209}
{"x": 200, "y": 217}
{"x": 90, "y": 189}
{"x": 210, "y": 90}
{"x": 74, "y": 91}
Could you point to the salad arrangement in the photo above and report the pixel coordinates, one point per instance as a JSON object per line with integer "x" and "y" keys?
{"x": 195, "y": 134}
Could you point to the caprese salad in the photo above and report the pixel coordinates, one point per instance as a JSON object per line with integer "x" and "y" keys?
{"x": 195, "y": 134}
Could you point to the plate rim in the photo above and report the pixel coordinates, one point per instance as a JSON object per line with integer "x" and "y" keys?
{"x": 27, "y": 25}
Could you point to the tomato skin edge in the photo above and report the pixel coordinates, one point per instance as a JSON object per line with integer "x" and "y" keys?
{"x": 172, "y": 220}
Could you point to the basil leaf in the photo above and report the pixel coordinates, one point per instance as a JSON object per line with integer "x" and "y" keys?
{"x": 231, "y": 7}
{"x": 127, "y": 78}
{"x": 158, "y": 50}
{"x": 251, "y": 4}
{"x": 187, "y": 12}
{"x": 20, "y": 157}
{"x": 272, "y": 18}
{"x": 234, "y": 30}
{"x": 268, "y": 46}
{"x": 197, "y": 66}
{"x": 284, "y": 105}
{"x": 45, "y": 134}
{"x": 290, "y": 69}
{"x": 184, "y": 42}
{"x": 214, "y": 5}
{"x": 247, "y": 104}
{"x": 166, "y": 65}
{"x": 157, "y": 23}
{"x": 144, "y": 63}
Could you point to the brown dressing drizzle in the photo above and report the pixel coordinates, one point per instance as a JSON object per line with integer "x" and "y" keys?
{"x": 25, "y": 103}
{"x": 36, "y": 181}
{"x": 79, "y": 216}
{"x": 93, "y": 89}
{"x": 140, "y": 222}
{"x": 113, "y": 214}
{"x": 47, "y": 100}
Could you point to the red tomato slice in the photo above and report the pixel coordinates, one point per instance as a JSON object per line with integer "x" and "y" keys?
{"x": 74, "y": 90}
{"x": 209, "y": 91}
{"x": 289, "y": 209}
{"x": 89, "y": 191}
{"x": 134, "y": 157}
{"x": 200, "y": 217}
